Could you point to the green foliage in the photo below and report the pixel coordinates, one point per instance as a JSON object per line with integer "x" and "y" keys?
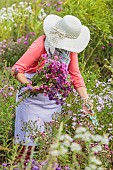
{"x": 7, "y": 111}
{"x": 97, "y": 15}
{"x": 94, "y": 14}
{"x": 19, "y": 19}
{"x": 8, "y": 3}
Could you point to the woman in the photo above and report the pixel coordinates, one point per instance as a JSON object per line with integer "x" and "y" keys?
{"x": 66, "y": 36}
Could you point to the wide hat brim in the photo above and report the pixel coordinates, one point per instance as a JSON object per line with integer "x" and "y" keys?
{"x": 74, "y": 45}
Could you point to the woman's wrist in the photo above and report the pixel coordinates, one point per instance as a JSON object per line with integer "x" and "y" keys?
{"x": 29, "y": 83}
{"x": 85, "y": 99}
{"x": 88, "y": 102}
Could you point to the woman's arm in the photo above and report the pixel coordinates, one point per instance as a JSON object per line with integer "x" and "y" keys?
{"x": 29, "y": 57}
{"x": 82, "y": 93}
{"x": 77, "y": 79}
{"x": 75, "y": 74}
{"x": 22, "y": 79}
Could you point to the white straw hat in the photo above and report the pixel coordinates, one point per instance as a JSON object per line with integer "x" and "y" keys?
{"x": 66, "y": 33}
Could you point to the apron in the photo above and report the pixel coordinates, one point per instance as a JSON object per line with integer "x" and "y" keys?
{"x": 32, "y": 112}
{"x": 36, "y": 110}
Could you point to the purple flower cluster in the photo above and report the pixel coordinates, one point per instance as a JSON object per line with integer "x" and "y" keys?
{"x": 25, "y": 39}
{"x": 36, "y": 166}
{"x": 7, "y": 91}
{"x": 2, "y": 47}
{"x": 53, "y": 80}
{"x": 53, "y": 5}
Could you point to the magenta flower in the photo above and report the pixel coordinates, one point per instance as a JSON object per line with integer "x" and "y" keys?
{"x": 59, "y": 9}
{"x": 19, "y": 40}
{"x": 48, "y": 4}
{"x": 53, "y": 80}
{"x": 26, "y": 42}
{"x": 56, "y": 57}
{"x": 103, "y": 47}
{"x": 59, "y": 2}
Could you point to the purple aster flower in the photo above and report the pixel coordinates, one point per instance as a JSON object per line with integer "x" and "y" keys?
{"x": 59, "y": 2}
{"x": 58, "y": 168}
{"x": 66, "y": 168}
{"x": 19, "y": 40}
{"x": 48, "y": 4}
{"x": 103, "y": 47}
{"x": 10, "y": 94}
{"x": 59, "y": 9}
{"x": 35, "y": 167}
{"x": 110, "y": 44}
{"x": 44, "y": 163}
{"x": 32, "y": 33}
{"x": 4, "y": 164}
{"x": 26, "y": 42}
{"x": 26, "y": 39}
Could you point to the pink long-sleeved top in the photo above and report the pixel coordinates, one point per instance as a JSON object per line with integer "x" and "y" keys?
{"x": 31, "y": 61}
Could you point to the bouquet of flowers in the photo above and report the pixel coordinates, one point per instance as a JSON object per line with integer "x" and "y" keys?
{"x": 53, "y": 79}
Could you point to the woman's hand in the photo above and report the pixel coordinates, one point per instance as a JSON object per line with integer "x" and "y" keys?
{"x": 89, "y": 103}
{"x": 35, "y": 89}
{"x": 87, "y": 110}
{"x": 87, "y": 106}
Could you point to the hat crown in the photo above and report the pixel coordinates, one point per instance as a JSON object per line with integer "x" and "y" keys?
{"x": 66, "y": 33}
{"x": 70, "y": 25}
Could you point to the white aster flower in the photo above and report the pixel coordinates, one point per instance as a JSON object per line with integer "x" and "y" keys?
{"x": 5, "y": 27}
{"x": 29, "y": 9}
{"x": 80, "y": 130}
{"x": 75, "y": 147}
{"x": 13, "y": 5}
{"x": 96, "y": 148}
{"x": 55, "y": 146}
{"x": 42, "y": 10}
{"x": 87, "y": 168}
{"x": 66, "y": 143}
{"x": 96, "y": 138}
{"x": 15, "y": 24}
{"x": 87, "y": 136}
{"x": 93, "y": 166}
{"x": 68, "y": 137}
{"x": 42, "y": 14}
{"x": 100, "y": 168}
{"x": 63, "y": 150}
{"x": 54, "y": 153}
{"x": 93, "y": 159}
{"x": 21, "y": 3}
{"x": 79, "y": 136}
{"x": 105, "y": 140}
{"x": 62, "y": 137}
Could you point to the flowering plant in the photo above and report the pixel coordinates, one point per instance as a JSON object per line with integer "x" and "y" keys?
{"x": 11, "y": 50}
{"x": 53, "y": 79}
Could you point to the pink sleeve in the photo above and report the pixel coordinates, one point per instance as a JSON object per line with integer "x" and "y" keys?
{"x": 30, "y": 56}
{"x": 74, "y": 71}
